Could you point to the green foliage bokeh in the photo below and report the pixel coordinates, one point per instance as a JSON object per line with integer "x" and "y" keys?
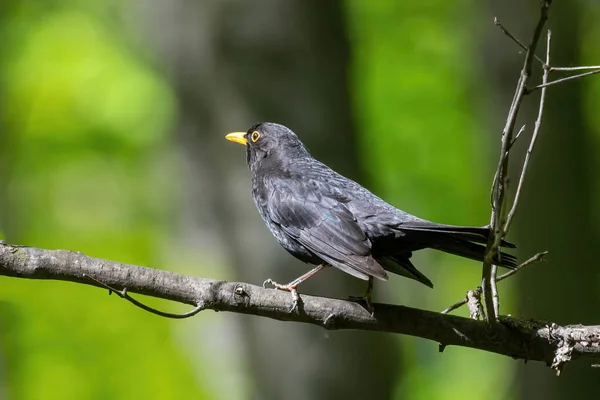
{"x": 87, "y": 123}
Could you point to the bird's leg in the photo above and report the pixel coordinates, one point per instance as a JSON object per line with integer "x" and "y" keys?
{"x": 367, "y": 296}
{"x": 291, "y": 287}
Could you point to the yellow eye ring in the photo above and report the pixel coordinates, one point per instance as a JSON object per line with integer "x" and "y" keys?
{"x": 255, "y": 136}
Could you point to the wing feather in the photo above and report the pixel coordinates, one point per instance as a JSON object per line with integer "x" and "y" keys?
{"x": 324, "y": 226}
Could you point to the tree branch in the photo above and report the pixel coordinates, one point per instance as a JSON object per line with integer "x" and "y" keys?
{"x": 522, "y": 339}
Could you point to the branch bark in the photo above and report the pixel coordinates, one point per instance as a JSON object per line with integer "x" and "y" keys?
{"x": 518, "y": 338}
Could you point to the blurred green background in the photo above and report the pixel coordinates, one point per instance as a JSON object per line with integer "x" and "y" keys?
{"x": 112, "y": 117}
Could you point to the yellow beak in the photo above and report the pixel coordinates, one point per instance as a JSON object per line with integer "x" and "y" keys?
{"x": 237, "y": 137}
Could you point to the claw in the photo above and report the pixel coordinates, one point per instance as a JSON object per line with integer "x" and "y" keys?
{"x": 289, "y": 287}
{"x": 364, "y": 299}
{"x": 295, "y": 300}
{"x": 268, "y": 281}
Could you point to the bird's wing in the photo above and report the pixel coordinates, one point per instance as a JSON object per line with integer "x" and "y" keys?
{"x": 324, "y": 226}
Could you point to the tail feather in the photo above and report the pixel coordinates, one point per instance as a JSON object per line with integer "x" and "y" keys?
{"x": 403, "y": 266}
{"x": 464, "y": 248}
{"x": 458, "y": 240}
{"x": 477, "y": 234}
{"x": 463, "y": 241}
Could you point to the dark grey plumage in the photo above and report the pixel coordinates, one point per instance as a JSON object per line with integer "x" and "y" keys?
{"x": 319, "y": 216}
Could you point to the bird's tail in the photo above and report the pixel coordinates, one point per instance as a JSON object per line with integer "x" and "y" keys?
{"x": 461, "y": 241}
{"x": 464, "y": 248}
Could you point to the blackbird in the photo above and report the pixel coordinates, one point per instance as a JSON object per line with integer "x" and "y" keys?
{"x": 326, "y": 219}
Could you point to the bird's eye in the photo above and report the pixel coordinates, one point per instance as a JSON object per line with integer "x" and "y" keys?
{"x": 255, "y": 136}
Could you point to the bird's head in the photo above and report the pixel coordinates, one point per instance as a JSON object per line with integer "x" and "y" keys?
{"x": 268, "y": 140}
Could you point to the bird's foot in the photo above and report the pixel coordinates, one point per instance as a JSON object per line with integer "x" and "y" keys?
{"x": 366, "y": 298}
{"x": 290, "y": 287}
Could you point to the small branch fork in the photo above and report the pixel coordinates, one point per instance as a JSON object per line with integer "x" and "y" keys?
{"x": 503, "y": 214}
{"x": 477, "y": 292}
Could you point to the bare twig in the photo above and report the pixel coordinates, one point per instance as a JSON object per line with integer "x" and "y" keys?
{"x": 530, "y": 340}
{"x": 534, "y": 136}
{"x": 494, "y": 290}
{"x": 517, "y": 136}
{"x": 500, "y": 184}
{"x": 514, "y": 38}
{"x": 532, "y": 260}
{"x": 458, "y": 304}
{"x": 568, "y": 78}
{"x": 580, "y": 68}
{"x": 124, "y": 295}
